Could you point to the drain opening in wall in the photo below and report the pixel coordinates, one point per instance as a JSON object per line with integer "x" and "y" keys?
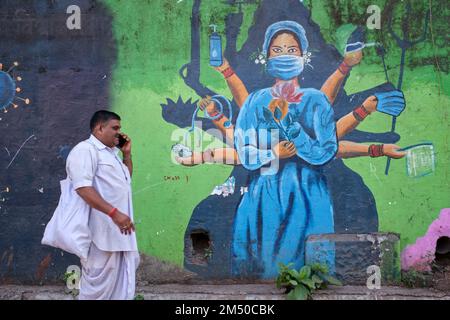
{"x": 201, "y": 247}
{"x": 442, "y": 256}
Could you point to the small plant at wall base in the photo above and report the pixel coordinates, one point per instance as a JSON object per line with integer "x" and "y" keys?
{"x": 66, "y": 278}
{"x": 301, "y": 284}
{"x": 416, "y": 279}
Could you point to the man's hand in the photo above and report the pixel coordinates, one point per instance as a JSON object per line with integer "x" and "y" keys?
{"x": 353, "y": 58}
{"x": 284, "y": 149}
{"x": 126, "y": 149}
{"x": 124, "y": 222}
{"x": 94, "y": 200}
{"x": 391, "y": 151}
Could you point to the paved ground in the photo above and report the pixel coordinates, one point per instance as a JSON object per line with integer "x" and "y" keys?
{"x": 230, "y": 292}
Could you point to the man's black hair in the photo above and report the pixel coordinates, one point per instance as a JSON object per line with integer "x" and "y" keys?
{"x": 102, "y": 116}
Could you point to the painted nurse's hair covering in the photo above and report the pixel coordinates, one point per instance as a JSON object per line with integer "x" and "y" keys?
{"x": 288, "y": 26}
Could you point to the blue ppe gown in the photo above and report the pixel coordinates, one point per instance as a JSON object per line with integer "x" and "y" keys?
{"x": 287, "y": 199}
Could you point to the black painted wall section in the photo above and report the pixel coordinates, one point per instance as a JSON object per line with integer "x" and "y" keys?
{"x": 66, "y": 75}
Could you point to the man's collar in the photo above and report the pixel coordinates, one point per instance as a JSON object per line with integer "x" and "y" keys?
{"x": 101, "y": 146}
{"x": 97, "y": 142}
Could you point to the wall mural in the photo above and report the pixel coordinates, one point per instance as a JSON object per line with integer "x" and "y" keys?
{"x": 267, "y": 222}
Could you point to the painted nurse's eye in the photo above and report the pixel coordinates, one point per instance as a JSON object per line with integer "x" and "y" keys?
{"x": 277, "y": 50}
{"x": 292, "y": 50}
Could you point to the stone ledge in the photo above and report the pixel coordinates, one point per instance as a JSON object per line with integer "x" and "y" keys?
{"x": 352, "y": 254}
{"x": 232, "y": 292}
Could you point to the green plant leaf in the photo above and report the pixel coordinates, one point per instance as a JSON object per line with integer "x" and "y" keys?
{"x": 305, "y": 272}
{"x": 299, "y": 293}
{"x": 282, "y": 281}
{"x": 318, "y": 267}
{"x": 332, "y": 280}
{"x": 310, "y": 283}
{"x": 300, "y": 284}
{"x": 317, "y": 279}
{"x": 293, "y": 282}
{"x": 293, "y": 273}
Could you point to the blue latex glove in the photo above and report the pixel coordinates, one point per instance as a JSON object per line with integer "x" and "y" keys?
{"x": 391, "y": 102}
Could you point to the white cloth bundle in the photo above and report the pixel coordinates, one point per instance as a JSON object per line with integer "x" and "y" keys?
{"x": 68, "y": 229}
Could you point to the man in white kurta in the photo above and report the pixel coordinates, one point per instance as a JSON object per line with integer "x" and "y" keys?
{"x": 103, "y": 180}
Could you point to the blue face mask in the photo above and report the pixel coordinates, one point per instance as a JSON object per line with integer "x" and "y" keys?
{"x": 285, "y": 67}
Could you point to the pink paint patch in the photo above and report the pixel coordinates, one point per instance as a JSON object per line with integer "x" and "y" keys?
{"x": 420, "y": 255}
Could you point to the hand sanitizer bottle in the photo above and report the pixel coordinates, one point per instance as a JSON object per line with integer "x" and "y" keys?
{"x": 215, "y": 48}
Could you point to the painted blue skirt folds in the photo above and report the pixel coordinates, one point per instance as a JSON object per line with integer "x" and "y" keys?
{"x": 286, "y": 200}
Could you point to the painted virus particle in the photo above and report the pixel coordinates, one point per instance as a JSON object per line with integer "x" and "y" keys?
{"x": 9, "y": 89}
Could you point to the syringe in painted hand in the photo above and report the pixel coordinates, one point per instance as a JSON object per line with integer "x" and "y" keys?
{"x": 356, "y": 46}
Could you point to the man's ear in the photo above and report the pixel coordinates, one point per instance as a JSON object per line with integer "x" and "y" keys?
{"x": 97, "y": 128}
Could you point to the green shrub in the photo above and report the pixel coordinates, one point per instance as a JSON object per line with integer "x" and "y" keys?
{"x": 301, "y": 284}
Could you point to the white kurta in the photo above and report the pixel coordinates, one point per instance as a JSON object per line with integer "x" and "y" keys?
{"x": 112, "y": 253}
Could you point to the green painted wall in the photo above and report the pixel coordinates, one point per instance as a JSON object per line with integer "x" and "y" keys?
{"x": 153, "y": 39}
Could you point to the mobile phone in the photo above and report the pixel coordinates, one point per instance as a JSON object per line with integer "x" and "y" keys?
{"x": 122, "y": 141}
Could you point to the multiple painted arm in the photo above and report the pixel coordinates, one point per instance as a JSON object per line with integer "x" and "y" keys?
{"x": 388, "y": 102}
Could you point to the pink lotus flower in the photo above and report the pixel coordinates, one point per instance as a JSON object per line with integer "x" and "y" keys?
{"x": 287, "y": 91}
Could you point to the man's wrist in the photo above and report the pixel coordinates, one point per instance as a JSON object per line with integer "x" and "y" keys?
{"x": 127, "y": 157}
{"x": 112, "y": 213}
